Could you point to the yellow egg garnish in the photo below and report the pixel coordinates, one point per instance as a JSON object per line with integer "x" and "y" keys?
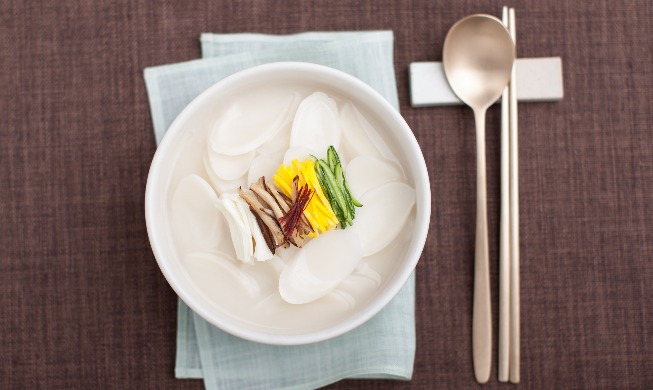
{"x": 318, "y": 211}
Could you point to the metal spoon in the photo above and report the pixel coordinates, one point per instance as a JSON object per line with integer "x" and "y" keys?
{"x": 478, "y": 57}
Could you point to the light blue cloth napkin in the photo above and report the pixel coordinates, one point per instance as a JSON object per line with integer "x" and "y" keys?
{"x": 384, "y": 347}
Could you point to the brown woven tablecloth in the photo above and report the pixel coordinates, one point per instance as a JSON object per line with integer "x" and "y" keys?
{"x": 84, "y": 305}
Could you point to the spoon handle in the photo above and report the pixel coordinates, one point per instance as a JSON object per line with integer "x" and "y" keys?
{"x": 482, "y": 314}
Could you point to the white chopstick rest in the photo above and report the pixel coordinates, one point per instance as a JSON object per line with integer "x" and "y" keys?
{"x": 538, "y": 80}
{"x": 504, "y": 234}
{"x": 514, "y": 222}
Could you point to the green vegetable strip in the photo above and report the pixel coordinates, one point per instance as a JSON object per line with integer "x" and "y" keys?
{"x": 353, "y": 200}
{"x": 322, "y": 181}
{"x": 334, "y": 154}
{"x": 340, "y": 198}
{"x": 346, "y": 186}
{"x": 332, "y": 179}
{"x": 330, "y": 194}
{"x": 332, "y": 157}
{"x": 337, "y": 172}
{"x": 340, "y": 176}
{"x": 333, "y": 184}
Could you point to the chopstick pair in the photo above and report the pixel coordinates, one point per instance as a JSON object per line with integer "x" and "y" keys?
{"x": 509, "y": 307}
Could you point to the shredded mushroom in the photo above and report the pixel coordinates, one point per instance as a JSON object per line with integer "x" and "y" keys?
{"x": 267, "y": 219}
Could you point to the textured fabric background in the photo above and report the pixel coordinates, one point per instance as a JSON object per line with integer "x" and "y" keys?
{"x": 83, "y": 304}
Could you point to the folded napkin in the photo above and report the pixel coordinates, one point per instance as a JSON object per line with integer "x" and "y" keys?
{"x": 383, "y": 347}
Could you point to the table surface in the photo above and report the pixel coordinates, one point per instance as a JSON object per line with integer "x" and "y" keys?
{"x": 83, "y": 304}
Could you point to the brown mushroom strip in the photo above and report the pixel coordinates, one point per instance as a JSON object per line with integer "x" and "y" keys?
{"x": 296, "y": 239}
{"x": 269, "y": 221}
{"x": 278, "y": 196}
{"x": 269, "y": 240}
{"x": 267, "y": 198}
{"x": 263, "y": 202}
{"x": 286, "y": 199}
{"x": 304, "y": 227}
{"x": 295, "y": 184}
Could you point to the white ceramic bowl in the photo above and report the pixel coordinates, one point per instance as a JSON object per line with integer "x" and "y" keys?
{"x": 389, "y": 124}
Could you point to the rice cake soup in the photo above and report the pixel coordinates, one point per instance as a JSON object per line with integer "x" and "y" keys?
{"x": 288, "y": 209}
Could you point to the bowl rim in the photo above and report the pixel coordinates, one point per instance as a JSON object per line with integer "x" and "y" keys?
{"x": 423, "y": 201}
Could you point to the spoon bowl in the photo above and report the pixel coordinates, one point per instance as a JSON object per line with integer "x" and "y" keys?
{"x": 478, "y": 57}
